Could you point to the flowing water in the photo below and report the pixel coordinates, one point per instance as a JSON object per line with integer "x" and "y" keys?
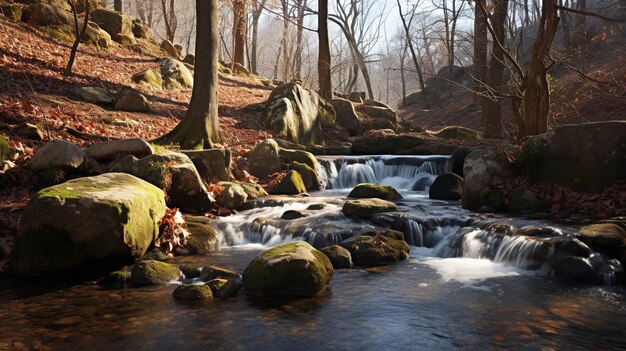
{"x": 469, "y": 284}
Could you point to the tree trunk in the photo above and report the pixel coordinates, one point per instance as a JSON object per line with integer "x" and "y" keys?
{"x": 409, "y": 42}
{"x": 532, "y": 112}
{"x": 239, "y": 32}
{"x": 297, "y": 61}
{"x": 323, "y": 62}
{"x": 256, "y": 15}
{"x": 493, "y": 108}
{"x": 200, "y": 127}
{"x": 117, "y": 5}
{"x": 480, "y": 53}
{"x": 80, "y": 33}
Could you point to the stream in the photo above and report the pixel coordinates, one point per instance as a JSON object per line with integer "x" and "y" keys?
{"x": 468, "y": 284}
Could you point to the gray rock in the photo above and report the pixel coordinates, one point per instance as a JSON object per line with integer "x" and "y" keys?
{"x": 170, "y": 49}
{"x": 233, "y": 196}
{"x": 264, "y": 159}
{"x": 224, "y": 288}
{"x": 480, "y": 167}
{"x": 365, "y": 208}
{"x": 447, "y": 186}
{"x": 114, "y": 23}
{"x": 213, "y": 165}
{"x": 58, "y": 154}
{"x": 95, "y": 95}
{"x": 131, "y": 100}
{"x": 175, "y": 74}
{"x": 111, "y": 150}
{"x": 297, "y": 114}
{"x": 376, "y": 250}
{"x": 347, "y": 117}
{"x": 357, "y": 96}
{"x": 338, "y": 256}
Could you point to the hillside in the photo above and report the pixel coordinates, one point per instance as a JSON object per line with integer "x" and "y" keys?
{"x": 600, "y": 95}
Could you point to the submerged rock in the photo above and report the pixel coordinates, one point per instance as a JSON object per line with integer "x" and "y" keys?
{"x": 193, "y": 292}
{"x": 338, "y": 256}
{"x": 383, "y": 192}
{"x": 365, "y": 208}
{"x": 376, "y": 250}
{"x": 150, "y": 272}
{"x": 447, "y": 186}
{"x": 106, "y": 220}
{"x": 214, "y": 272}
{"x": 203, "y": 238}
{"x": 294, "y": 269}
{"x": 224, "y": 288}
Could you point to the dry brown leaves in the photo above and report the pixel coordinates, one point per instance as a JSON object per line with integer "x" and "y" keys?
{"x": 173, "y": 235}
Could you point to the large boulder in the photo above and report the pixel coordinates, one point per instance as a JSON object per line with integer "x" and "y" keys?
{"x": 175, "y": 74}
{"x": 173, "y": 172}
{"x": 365, "y": 208}
{"x": 140, "y": 29}
{"x": 106, "y": 220}
{"x": 264, "y": 159}
{"x": 583, "y": 156}
{"x": 290, "y": 156}
{"x": 347, "y": 116}
{"x": 377, "y": 250}
{"x": 151, "y": 272}
{"x": 608, "y": 238}
{"x": 149, "y": 78}
{"x": 480, "y": 167}
{"x": 367, "y": 190}
{"x": 213, "y": 165}
{"x": 447, "y": 186}
{"x": 43, "y": 15}
{"x": 111, "y": 150}
{"x": 295, "y": 269}
{"x": 115, "y": 23}
{"x": 170, "y": 49}
{"x": 379, "y": 112}
{"x": 297, "y": 114}
{"x": 58, "y": 154}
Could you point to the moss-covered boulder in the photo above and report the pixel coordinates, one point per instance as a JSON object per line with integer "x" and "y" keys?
{"x": 447, "y": 186}
{"x": 115, "y": 280}
{"x": 264, "y": 159}
{"x": 291, "y": 184}
{"x": 175, "y": 74}
{"x": 140, "y": 30}
{"x": 254, "y": 191}
{"x": 150, "y": 272}
{"x": 297, "y": 114}
{"x": 365, "y": 208}
{"x": 608, "y": 238}
{"x": 295, "y": 269}
{"x": 233, "y": 196}
{"x": 114, "y": 23}
{"x": 107, "y": 220}
{"x": 4, "y": 148}
{"x": 376, "y": 250}
{"x": 149, "y": 78}
{"x": 173, "y": 172}
{"x": 29, "y": 131}
{"x": 461, "y": 133}
{"x": 203, "y": 238}
{"x": 309, "y": 175}
{"x": 480, "y": 168}
{"x": 368, "y": 190}
{"x": 338, "y": 256}
{"x": 224, "y": 288}
{"x": 290, "y": 156}
{"x": 193, "y": 292}
{"x": 586, "y": 156}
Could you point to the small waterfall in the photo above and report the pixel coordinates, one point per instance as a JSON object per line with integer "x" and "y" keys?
{"x": 402, "y": 172}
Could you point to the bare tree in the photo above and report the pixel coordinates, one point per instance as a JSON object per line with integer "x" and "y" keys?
{"x": 80, "y": 33}
{"x": 239, "y": 32}
{"x": 169, "y": 18}
{"x": 257, "y": 9}
{"x": 406, "y": 25}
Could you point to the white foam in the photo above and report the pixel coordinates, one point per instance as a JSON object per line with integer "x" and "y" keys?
{"x": 470, "y": 271}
